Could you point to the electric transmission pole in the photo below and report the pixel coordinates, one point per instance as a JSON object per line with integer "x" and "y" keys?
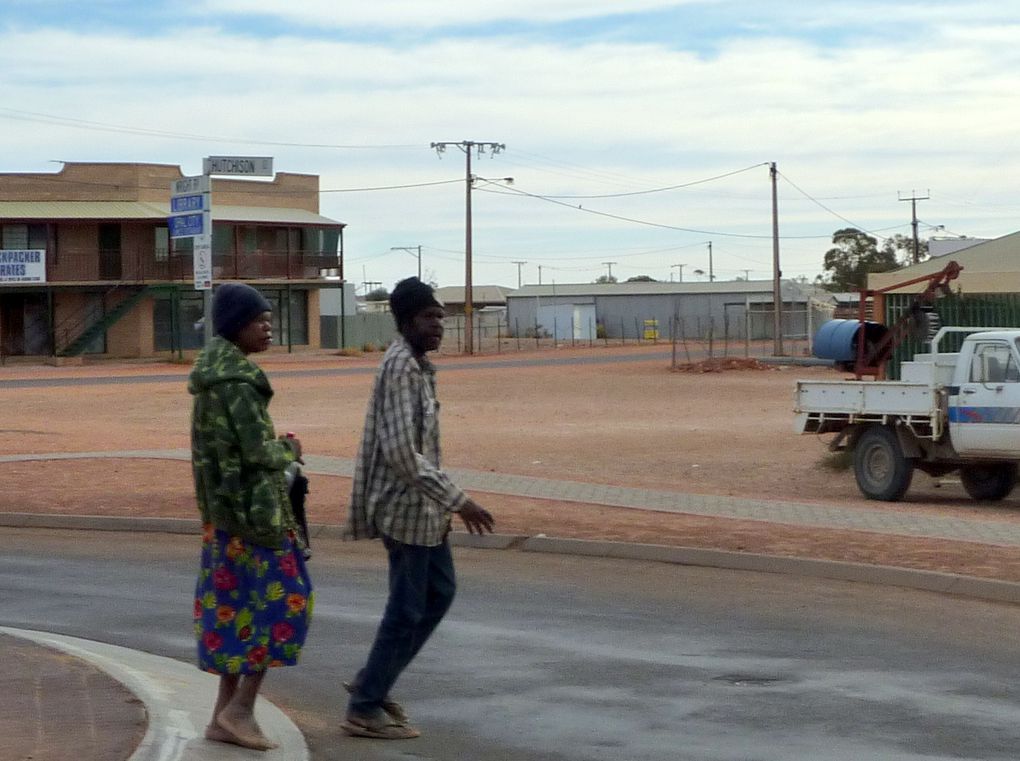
{"x": 711, "y": 272}
{"x": 519, "y": 265}
{"x": 777, "y": 273}
{"x": 679, "y": 267}
{"x": 467, "y": 146}
{"x": 913, "y": 220}
{"x": 610, "y": 266}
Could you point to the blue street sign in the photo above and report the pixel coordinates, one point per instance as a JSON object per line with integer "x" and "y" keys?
{"x": 183, "y": 204}
{"x": 185, "y": 225}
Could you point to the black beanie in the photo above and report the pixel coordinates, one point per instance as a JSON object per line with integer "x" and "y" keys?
{"x": 234, "y": 306}
{"x": 409, "y": 297}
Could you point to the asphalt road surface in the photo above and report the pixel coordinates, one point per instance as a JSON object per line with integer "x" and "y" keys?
{"x": 569, "y": 659}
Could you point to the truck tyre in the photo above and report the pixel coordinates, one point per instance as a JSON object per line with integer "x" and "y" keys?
{"x": 881, "y": 469}
{"x": 990, "y": 482}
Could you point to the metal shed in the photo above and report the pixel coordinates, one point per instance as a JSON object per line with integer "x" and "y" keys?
{"x": 735, "y": 309}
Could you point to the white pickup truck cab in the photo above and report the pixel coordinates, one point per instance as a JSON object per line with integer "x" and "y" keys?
{"x": 950, "y": 411}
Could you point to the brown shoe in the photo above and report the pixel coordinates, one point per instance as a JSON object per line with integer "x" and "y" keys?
{"x": 378, "y": 727}
{"x": 389, "y": 705}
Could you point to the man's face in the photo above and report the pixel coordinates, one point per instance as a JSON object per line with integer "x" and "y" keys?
{"x": 425, "y": 331}
{"x": 257, "y": 335}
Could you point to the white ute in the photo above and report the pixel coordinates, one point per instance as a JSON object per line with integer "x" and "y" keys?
{"x": 950, "y": 411}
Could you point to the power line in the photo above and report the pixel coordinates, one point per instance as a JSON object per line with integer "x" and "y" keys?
{"x": 578, "y": 207}
{"x": 72, "y": 123}
{"x": 664, "y": 189}
{"x": 257, "y": 188}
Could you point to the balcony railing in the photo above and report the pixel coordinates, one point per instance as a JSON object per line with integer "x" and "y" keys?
{"x": 147, "y": 265}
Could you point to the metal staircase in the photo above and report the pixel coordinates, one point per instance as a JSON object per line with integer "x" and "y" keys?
{"x": 89, "y": 333}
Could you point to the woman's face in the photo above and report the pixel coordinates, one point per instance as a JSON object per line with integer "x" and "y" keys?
{"x": 257, "y": 335}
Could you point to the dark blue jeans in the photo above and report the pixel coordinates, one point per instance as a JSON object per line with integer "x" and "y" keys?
{"x": 422, "y": 586}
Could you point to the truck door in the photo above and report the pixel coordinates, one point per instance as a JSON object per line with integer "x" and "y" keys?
{"x": 984, "y": 419}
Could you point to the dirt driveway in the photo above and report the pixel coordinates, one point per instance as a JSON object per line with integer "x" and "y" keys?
{"x": 630, "y": 423}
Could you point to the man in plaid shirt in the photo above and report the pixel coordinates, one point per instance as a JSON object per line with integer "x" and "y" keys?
{"x": 401, "y": 495}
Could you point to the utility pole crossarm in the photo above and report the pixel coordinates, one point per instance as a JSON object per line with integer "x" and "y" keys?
{"x": 914, "y": 198}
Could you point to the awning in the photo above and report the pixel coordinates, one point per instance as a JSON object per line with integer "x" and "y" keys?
{"x": 46, "y": 211}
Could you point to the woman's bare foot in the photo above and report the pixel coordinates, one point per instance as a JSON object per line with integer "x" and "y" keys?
{"x": 215, "y": 733}
{"x": 241, "y": 727}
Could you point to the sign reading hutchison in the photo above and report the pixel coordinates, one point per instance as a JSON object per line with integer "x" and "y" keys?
{"x": 251, "y": 166}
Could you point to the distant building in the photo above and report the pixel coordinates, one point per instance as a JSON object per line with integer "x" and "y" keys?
{"x": 482, "y": 296}
{"x": 943, "y": 246}
{"x": 735, "y": 309}
{"x": 87, "y": 264}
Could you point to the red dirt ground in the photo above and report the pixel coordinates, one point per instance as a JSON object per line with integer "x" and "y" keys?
{"x": 726, "y": 431}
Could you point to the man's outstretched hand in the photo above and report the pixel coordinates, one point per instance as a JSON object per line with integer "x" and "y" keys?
{"x": 477, "y": 519}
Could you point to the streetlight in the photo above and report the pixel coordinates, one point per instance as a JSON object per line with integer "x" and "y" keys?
{"x": 410, "y": 250}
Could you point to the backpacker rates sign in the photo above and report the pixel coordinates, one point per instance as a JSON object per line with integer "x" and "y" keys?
{"x": 23, "y": 266}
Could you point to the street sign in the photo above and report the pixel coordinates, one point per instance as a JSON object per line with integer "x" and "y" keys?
{"x": 190, "y": 185}
{"x": 248, "y": 166}
{"x": 203, "y": 264}
{"x": 186, "y": 225}
{"x": 189, "y": 206}
{"x": 185, "y": 204}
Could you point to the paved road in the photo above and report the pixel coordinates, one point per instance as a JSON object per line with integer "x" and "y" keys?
{"x": 549, "y": 658}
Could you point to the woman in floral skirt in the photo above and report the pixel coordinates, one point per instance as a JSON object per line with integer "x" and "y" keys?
{"x": 253, "y": 600}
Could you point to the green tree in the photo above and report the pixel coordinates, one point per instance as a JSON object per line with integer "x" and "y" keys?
{"x": 902, "y": 247}
{"x": 853, "y": 255}
{"x": 606, "y": 279}
{"x": 642, "y": 279}
{"x": 379, "y": 294}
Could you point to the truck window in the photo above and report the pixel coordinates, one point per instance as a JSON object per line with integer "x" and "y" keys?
{"x": 994, "y": 363}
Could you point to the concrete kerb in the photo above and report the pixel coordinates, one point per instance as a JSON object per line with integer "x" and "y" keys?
{"x": 975, "y": 587}
{"x": 178, "y": 699}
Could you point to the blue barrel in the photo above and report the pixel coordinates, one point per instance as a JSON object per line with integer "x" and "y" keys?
{"x": 837, "y": 339}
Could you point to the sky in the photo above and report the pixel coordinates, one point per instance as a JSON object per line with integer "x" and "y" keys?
{"x": 638, "y": 133}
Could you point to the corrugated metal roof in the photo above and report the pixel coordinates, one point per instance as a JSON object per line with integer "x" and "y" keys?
{"x": 989, "y": 267}
{"x": 480, "y": 294}
{"x": 25, "y": 210}
{"x": 45, "y": 210}
{"x": 270, "y": 214}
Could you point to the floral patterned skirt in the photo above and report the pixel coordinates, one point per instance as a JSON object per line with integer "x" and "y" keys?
{"x": 253, "y": 604}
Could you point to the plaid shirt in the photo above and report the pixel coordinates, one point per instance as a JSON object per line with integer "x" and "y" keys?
{"x": 399, "y": 489}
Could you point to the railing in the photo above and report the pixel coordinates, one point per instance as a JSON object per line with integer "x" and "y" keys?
{"x": 147, "y": 265}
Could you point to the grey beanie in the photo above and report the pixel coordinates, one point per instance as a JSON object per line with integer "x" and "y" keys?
{"x": 234, "y": 306}
{"x": 409, "y": 297}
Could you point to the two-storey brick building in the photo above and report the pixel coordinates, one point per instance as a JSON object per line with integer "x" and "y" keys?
{"x": 109, "y": 280}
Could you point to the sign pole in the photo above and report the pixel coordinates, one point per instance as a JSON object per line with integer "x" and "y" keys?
{"x": 203, "y": 255}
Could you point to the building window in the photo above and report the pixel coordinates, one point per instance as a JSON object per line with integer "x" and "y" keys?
{"x": 20, "y": 237}
{"x": 296, "y": 318}
{"x": 190, "y": 333}
{"x": 162, "y": 244}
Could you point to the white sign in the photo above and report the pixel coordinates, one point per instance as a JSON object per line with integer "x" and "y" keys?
{"x": 23, "y": 266}
{"x": 203, "y": 263}
{"x": 250, "y": 166}
{"x": 187, "y": 186}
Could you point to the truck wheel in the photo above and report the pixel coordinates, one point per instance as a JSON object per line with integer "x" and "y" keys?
{"x": 881, "y": 469}
{"x": 990, "y": 482}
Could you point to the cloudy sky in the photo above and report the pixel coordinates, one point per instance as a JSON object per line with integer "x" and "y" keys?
{"x": 636, "y": 131}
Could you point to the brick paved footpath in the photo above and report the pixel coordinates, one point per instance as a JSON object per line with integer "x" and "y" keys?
{"x": 899, "y": 522}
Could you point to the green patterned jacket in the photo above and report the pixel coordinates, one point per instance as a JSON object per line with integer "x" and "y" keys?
{"x": 237, "y": 461}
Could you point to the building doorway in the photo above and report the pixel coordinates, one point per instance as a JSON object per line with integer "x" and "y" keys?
{"x": 24, "y": 324}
